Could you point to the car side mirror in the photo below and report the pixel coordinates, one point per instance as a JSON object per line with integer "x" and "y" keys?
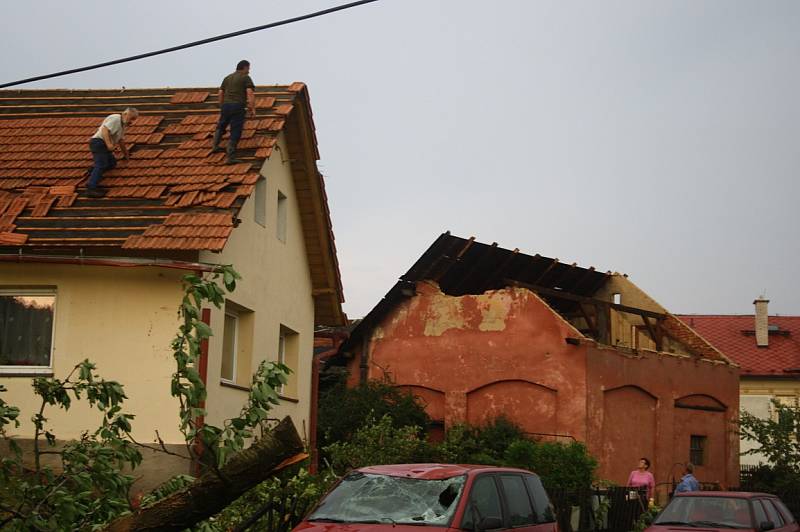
{"x": 490, "y": 523}
{"x": 766, "y": 525}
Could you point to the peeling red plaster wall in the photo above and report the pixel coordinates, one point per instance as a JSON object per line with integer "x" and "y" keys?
{"x": 501, "y": 351}
{"x": 476, "y": 356}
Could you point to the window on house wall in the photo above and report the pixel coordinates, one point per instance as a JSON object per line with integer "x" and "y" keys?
{"x": 697, "y": 449}
{"x": 617, "y": 299}
{"x": 282, "y": 216}
{"x": 260, "y": 198}
{"x": 237, "y": 344}
{"x": 288, "y": 349}
{"x": 229, "y": 347}
{"x": 27, "y": 319}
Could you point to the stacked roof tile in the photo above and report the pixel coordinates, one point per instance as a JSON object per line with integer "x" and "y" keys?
{"x": 171, "y": 175}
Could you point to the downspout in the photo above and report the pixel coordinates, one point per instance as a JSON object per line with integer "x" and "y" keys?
{"x": 202, "y": 369}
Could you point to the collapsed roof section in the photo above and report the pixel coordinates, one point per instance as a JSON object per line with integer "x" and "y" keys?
{"x": 595, "y": 303}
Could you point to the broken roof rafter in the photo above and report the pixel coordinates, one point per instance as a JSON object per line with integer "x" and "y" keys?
{"x": 479, "y": 267}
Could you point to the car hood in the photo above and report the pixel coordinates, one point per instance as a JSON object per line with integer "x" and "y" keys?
{"x": 365, "y": 527}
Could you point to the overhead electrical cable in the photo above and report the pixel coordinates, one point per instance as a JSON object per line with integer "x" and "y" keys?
{"x": 191, "y": 44}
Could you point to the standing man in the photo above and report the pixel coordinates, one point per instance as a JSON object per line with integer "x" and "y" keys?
{"x": 109, "y": 135}
{"x": 236, "y": 92}
{"x": 688, "y": 482}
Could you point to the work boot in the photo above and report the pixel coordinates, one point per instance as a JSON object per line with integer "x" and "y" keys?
{"x": 232, "y": 156}
{"x": 215, "y": 145}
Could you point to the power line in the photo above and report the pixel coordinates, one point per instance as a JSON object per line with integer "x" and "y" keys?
{"x": 191, "y": 44}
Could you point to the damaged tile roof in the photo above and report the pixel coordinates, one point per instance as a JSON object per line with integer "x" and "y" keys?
{"x": 461, "y": 266}
{"x": 44, "y": 159}
{"x": 173, "y": 198}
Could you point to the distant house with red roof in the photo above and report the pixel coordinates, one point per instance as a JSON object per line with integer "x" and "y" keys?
{"x": 100, "y": 278}
{"x": 768, "y": 350}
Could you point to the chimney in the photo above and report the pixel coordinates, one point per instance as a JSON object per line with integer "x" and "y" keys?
{"x": 762, "y": 322}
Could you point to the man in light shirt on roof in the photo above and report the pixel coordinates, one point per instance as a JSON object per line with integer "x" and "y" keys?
{"x": 109, "y": 135}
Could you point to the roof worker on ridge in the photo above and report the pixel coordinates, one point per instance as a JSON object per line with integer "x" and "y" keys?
{"x": 236, "y": 91}
{"x": 108, "y": 136}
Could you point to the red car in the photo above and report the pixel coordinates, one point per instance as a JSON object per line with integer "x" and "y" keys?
{"x": 723, "y": 511}
{"x": 438, "y": 496}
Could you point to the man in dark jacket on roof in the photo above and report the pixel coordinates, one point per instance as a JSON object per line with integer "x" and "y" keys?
{"x": 236, "y": 94}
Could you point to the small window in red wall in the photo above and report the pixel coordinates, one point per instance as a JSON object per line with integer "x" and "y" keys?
{"x": 697, "y": 449}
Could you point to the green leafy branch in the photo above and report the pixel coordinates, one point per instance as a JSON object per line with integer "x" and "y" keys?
{"x": 88, "y": 487}
{"x": 216, "y": 443}
{"x": 778, "y": 437}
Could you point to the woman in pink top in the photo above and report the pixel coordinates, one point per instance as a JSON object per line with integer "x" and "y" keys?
{"x": 641, "y": 477}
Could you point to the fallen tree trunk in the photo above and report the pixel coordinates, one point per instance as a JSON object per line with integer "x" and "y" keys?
{"x": 209, "y": 494}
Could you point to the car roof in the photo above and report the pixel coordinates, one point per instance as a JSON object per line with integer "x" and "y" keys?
{"x": 728, "y": 494}
{"x": 434, "y": 471}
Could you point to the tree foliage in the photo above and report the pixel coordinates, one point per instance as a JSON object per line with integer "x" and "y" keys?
{"x": 343, "y": 410}
{"x": 777, "y": 438}
{"x": 379, "y": 442}
{"x": 499, "y": 442}
{"x": 87, "y": 486}
{"x": 565, "y": 466}
{"x": 479, "y": 444}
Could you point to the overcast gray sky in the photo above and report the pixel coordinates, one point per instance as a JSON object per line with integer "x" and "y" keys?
{"x": 659, "y": 139}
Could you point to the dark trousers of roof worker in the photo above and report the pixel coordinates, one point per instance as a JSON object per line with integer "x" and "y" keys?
{"x": 103, "y": 160}
{"x": 232, "y": 114}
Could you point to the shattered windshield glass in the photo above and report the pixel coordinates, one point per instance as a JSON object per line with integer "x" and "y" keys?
{"x": 370, "y": 498}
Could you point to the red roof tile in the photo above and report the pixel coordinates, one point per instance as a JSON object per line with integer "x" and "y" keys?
{"x": 12, "y": 239}
{"x": 189, "y": 97}
{"x": 43, "y": 207}
{"x": 734, "y": 336}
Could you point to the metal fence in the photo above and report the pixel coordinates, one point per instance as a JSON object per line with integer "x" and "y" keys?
{"x": 614, "y": 509}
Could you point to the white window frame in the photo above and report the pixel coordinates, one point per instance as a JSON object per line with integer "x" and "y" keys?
{"x": 235, "y": 317}
{"x": 33, "y": 370}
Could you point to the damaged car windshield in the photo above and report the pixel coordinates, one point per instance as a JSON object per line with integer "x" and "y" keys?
{"x": 362, "y": 497}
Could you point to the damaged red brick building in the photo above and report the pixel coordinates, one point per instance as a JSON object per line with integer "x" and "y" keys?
{"x": 476, "y": 331}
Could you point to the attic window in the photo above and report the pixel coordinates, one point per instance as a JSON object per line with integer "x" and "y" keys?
{"x": 773, "y": 328}
{"x": 617, "y": 298}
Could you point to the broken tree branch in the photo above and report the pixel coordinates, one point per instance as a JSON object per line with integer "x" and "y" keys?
{"x": 209, "y": 494}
